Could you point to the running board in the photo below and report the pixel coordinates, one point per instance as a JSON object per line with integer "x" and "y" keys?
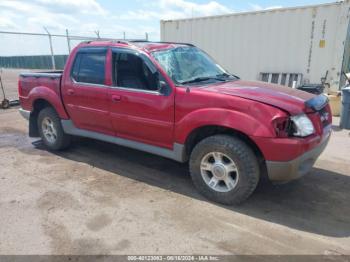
{"x": 177, "y": 154}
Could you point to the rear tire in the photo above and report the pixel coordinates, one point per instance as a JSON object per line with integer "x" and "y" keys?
{"x": 51, "y": 131}
{"x": 224, "y": 169}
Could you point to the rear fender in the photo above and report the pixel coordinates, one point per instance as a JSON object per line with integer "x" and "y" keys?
{"x": 47, "y": 94}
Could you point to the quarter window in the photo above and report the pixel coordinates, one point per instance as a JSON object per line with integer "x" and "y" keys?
{"x": 89, "y": 67}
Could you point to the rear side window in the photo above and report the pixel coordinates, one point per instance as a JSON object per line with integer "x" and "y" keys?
{"x": 89, "y": 67}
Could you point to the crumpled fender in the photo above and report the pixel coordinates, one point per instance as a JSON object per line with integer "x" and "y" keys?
{"x": 255, "y": 122}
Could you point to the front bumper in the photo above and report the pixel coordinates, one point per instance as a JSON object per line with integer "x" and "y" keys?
{"x": 279, "y": 171}
{"x": 24, "y": 113}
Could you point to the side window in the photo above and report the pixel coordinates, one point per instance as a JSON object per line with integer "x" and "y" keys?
{"x": 76, "y": 66}
{"x": 131, "y": 71}
{"x": 89, "y": 67}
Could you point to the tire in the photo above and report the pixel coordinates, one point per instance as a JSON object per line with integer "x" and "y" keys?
{"x": 48, "y": 120}
{"x": 228, "y": 158}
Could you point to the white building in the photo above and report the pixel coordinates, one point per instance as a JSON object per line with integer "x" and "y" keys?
{"x": 280, "y": 45}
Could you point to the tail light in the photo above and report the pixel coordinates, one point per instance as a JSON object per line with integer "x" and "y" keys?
{"x": 19, "y": 87}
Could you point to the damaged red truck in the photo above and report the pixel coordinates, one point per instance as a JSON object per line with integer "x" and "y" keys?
{"x": 173, "y": 100}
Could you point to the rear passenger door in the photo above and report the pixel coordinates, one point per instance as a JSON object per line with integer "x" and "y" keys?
{"x": 85, "y": 92}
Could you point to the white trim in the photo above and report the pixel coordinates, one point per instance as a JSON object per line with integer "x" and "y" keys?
{"x": 144, "y": 91}
{"x": 136, "y": 90}
{"x": 76, "y": 83}
{"x": 177, "y": 154}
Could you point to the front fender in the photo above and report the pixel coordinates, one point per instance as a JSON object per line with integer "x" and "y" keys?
{"x": 45, "y": 93}
{"x": 255, "y": 122}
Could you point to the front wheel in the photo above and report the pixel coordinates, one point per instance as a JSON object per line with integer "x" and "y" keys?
{"x": 51, "y": 131}
{"x": 224, "y": 169}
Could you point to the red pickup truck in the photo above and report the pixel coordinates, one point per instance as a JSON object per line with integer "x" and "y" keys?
{"x": 173, "y": 100}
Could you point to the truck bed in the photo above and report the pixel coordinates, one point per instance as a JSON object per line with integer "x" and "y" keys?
{"x": 48, "y": 74}
{"x": 28, "y": 81}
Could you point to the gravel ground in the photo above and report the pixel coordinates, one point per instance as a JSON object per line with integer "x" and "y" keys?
{"x": 97, "y": 198}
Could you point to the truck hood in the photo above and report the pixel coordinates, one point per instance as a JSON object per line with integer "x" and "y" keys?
{"x": 285, "y": 98}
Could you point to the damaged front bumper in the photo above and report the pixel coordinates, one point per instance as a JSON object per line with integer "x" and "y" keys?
{"x": 279, "y": 171}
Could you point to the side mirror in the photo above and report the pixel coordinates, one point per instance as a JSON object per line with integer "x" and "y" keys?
{"x": 161, "y": 84}
{"x": 163, "y": 87}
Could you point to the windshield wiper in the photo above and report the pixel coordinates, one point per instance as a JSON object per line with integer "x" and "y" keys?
{"x": 195, "y": 80}
{"x": 201, "y": 79}
{"x": 226, "y": 75}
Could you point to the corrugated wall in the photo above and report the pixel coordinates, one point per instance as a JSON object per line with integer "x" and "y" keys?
{"x": 32, "y": 62}
{"x": 346, "y": 58}
{"x": 294, "y": 40}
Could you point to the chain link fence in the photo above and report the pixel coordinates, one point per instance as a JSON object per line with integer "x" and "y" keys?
{"x": 41, "y": 50}
{"x": 23, "y": 52}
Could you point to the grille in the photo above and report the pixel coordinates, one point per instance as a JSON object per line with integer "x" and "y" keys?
{"x": 324, "y": 116}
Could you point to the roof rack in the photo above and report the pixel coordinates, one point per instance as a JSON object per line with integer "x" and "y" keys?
{"x": 124, "y": 41}
{"x": 178, "y": 43}
{"x": 134, "y": 41}
{"x": 159, "y": 42}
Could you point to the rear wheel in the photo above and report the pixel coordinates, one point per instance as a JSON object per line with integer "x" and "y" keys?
{"x": 51, "y": 131}
{"x": 224, "y": 169}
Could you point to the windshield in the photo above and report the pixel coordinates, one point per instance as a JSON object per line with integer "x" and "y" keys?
{"x": 190, "y": 65}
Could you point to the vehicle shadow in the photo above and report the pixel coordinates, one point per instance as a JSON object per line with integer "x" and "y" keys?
{"x": 336, "y": 128}
{"x": 317, "y": 203}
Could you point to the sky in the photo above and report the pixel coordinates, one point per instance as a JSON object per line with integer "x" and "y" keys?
{"x": 111, "y": 17}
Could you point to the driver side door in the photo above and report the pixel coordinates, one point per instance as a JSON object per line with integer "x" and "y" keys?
{"x": 139, "y": 111}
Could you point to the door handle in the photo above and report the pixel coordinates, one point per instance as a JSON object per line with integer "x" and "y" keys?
{"x": 70, "y": 92}
{"x": 116, "y": 98}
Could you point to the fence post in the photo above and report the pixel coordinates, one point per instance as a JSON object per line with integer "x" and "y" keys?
{"x": 97, "y": 32}
{"x": 51, "y": 48}
{"x": 68, "y": 41}
{"x": 146, "y": 36}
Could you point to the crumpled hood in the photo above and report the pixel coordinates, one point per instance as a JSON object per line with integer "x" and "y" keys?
{"x": 286, "y": 98}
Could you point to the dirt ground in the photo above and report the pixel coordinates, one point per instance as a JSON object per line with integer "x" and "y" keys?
{"x": 97, "y": 198}
{"x": 9, "y": 79}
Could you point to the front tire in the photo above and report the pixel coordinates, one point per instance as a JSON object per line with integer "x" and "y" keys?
{"x": 224, "y": 169}
{"x": 51, "y": 131}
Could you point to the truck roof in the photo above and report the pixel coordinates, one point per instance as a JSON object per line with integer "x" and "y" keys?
{"x": 148, "y": 46}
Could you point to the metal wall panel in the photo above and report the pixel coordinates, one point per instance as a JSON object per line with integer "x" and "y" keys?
{"x": 307, "y": 40}
{"x": 33, "y": 62}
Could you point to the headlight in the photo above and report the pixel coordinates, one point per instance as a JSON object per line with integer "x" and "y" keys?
{"x": 302, "y": 125}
